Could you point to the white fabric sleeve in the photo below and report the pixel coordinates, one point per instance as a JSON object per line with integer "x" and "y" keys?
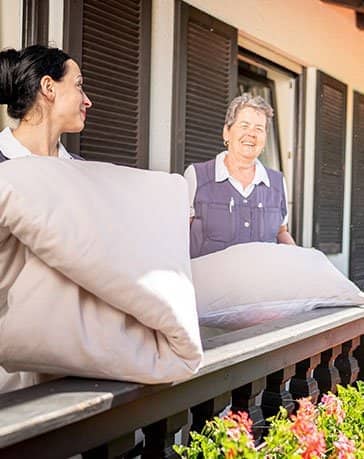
{"x": 285, "y": 220}
{"x": 190, "y": 176}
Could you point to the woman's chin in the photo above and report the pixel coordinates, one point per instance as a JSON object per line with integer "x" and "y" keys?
{"x": 76, "y": 128}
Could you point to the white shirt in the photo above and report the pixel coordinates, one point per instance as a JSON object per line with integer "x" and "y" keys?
{"x": 12, "y": 148}
{"x": 222, "y": 173}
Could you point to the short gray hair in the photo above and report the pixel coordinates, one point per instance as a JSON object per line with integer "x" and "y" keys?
{"x": 247, "y": 100}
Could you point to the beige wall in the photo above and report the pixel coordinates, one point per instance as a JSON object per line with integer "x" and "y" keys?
{"x": 10, "y": 32}
{"x": 315, "y": 33}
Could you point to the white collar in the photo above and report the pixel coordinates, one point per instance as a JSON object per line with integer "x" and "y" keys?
{"x": 11, "y": 148}
{"x": 222, "y": 173}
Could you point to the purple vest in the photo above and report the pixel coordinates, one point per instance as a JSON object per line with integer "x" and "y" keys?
{"x": 223, "y": 217}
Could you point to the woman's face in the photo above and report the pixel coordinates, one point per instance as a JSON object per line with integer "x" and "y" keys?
{"x": 247, "y": 135}
{"x": 70, "y": 101}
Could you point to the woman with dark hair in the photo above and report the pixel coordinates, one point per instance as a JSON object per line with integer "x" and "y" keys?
{"x": 42, "y": 88}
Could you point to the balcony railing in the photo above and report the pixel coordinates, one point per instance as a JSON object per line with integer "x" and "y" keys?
{"x": 256, "y": 369}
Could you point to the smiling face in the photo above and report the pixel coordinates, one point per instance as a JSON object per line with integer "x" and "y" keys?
{"x": 248, "y": 134}
{"x": 70, "y": 101}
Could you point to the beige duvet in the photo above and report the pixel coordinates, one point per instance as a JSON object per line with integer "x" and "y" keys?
{"x": 94, "y": 272}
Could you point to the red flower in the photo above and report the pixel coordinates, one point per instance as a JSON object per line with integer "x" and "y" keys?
{"x": 312, "y": 442}
{"x": 230, "y": 454}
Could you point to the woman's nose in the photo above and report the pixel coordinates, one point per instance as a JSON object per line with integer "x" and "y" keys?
{"x": 252, "y": 132}
{"x": 86, "y": 101}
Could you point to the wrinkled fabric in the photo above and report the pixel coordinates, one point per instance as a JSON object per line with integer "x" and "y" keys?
{"x": 248, "y": 284}
{"x": 95, "y": 272}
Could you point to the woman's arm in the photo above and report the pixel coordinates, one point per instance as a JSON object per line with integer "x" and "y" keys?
{"x": 284, "y": 237}
{"x": 190, "y": 176}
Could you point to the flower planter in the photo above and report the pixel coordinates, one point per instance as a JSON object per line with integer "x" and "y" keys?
{"x": 334, "y": 429}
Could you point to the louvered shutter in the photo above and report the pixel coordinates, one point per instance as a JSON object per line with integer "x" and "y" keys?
{"x": 329, "y": 164}
{"x": 115, "y": 55}
{"x": 357, "y": 194}
{"x": 205, "y": 82}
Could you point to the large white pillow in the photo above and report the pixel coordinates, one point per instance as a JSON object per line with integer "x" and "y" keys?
{"x": 96, "y": 276}
{"x": 251, "y": 283}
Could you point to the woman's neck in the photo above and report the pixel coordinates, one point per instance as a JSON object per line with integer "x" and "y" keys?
{"x": 238, "y": 163}
{"x": 241, "y": 169}
{"x": 37, "y": 138}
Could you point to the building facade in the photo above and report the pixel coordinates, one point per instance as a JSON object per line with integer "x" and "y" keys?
{"x": 161, "y": 73}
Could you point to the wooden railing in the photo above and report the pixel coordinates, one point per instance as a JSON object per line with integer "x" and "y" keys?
{"x": 256, "y": 369}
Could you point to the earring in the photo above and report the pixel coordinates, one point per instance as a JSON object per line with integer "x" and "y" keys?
{"x": 226, "y": 143}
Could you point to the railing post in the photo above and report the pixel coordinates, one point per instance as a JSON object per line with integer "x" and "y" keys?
{"x": 160, "y": 437}
{"x": 303, "y": 384}
{"x": 347, "y": 364}
{"x": 275, "y": 394}
{"x": 243, "y": 399}
{"x": 359, "y": 355}
{"x": 326, "y": 374}
{"x": 207, "y": 410}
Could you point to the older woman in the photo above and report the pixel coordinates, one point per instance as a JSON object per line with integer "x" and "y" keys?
{"x": 234, "y": 198}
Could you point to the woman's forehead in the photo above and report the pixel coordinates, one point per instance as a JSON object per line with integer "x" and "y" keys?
{"x": 72, "y": 68}
{"x": 251, "y": 114}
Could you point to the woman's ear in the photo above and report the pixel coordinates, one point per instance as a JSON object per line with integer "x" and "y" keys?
{"x": 47, "y": 87}
{"x": 225, "y": 133}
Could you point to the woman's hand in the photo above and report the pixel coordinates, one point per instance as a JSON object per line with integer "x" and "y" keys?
{"x": 284, "y": 237}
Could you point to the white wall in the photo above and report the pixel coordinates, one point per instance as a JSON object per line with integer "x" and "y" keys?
{"x": 161, "y": 85}
{"x": 55, "y": 28}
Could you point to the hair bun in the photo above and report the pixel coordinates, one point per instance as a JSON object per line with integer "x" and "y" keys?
{"x": 8, "y": 62}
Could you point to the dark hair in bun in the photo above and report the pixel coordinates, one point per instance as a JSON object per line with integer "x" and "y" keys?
{"x": 21, "y": 72}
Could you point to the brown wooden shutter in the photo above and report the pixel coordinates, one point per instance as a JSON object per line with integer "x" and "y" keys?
{"x": 357, "y": 194}
{"x": 115, "y": 57}
{"x": 329, "y": 163}
{"x": 205, "y": 81}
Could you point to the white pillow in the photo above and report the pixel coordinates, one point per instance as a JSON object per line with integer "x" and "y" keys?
{"x": 97, "y": 273}
{"x": 251, "y": 283}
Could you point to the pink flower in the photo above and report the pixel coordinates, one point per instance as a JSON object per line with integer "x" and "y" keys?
{"x": 234, "y": 433}
{"x": 345, "y": 448}
{"x": 306, "y": 408}
{"x": 304, "y": 422}
{"x": 314, "y": 445}
{"x": 241, "y": 424}
{"x": 312, "y": 442}
{"x": 242, "y": 419}
{"x": 333, "y": 407}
